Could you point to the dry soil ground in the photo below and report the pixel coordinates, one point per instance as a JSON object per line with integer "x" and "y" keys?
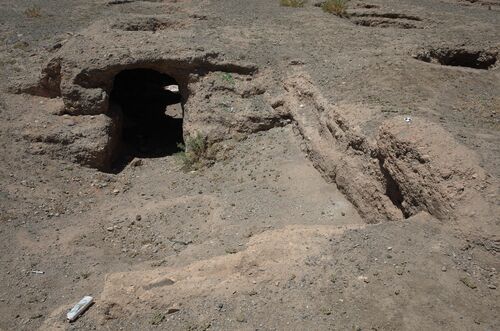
{"x": 323, "y": 209}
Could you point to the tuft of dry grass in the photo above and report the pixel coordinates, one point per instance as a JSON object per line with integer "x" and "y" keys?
{"x": 22, "y": 45}
{"x": 336, "y": 7}
{"x": 293, "y": 3}
{"x": 195, "y": 152}
{"x": 33, "y": 12}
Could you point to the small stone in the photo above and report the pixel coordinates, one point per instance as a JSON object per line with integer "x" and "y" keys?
{"x": 116, "y": 191}
{"x": 397, "y": 292}
{"x": 425, "y": 158}
{"x": 443, "y": 269}
{"x": 241, "y": 318}
{"x": 172, "y": 310}
{"x": 326, "y": 311}
{"x": 389, "y": 248}
{"x": 364, "y": 279}
{"x": 137, "y": 163}
{"x": 468, "y": 282}
{"x": 342, "y": 213}
{"x": 492, "y": 286}
{"x": 138, "y": 217}
{"x": 110, "y": 229}
{"x": 36, "y": 316}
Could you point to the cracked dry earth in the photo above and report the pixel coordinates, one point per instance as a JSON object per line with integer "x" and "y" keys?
{"x": 349, "y": 181}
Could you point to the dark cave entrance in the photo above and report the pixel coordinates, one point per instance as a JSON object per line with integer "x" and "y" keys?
{"x": 152, "y": 115}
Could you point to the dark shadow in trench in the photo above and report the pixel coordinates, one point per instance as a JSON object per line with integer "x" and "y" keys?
{"x": 152, "y": 115}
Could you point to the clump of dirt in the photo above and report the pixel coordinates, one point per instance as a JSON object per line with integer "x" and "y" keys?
{"x": 459, "y": 57}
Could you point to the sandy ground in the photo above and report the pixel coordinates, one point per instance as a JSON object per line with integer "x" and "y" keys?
{"x": 262, "y": 239}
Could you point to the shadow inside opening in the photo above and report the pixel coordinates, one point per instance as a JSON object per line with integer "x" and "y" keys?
{"x": 151, "y": 111}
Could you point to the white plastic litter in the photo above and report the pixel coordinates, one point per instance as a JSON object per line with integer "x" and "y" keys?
{"x": 38, "y": 272}
{"x": 79, "y": 308}
{"x": 408, "y": 119}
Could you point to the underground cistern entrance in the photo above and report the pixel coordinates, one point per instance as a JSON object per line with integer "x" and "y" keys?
{"x": 152, "y": 114}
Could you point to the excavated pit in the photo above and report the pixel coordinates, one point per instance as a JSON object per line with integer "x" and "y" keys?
{"x": 477, "y": 59}
{"x": 385, "y": 20}
{"x": 151, "y": 113}
{"x": 383, "y": 23}
{"x": 151, "y": 24}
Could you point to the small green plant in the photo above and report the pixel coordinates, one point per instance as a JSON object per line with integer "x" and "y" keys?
{"x": 33, "y": 12}
{"x": 157, "y": 318}
{"x": 227, "y": 77}
{"x": 194, "y": 152}
{"x": 336, "y": 7}
{"x": 293, "y": 3}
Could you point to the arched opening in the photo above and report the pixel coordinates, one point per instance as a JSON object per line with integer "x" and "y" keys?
{"x": 152, "y": 114}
